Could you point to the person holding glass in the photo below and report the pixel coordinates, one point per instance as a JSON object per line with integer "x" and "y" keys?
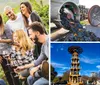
{"x": 5, "y": 47}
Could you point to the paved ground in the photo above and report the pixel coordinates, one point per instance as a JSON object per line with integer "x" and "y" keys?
{"x": 96, "y": 30}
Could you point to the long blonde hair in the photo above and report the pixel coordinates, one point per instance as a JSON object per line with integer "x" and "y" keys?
{"x": 24, "y": 41}
{"x": 1, "y": 26}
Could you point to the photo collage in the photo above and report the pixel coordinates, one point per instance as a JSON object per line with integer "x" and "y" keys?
{"x": 49, "y": 42}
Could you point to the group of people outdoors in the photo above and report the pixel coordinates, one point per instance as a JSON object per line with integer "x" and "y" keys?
{"x": 24, "y": 44}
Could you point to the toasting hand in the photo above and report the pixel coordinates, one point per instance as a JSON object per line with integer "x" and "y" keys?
{"x": 19, "y": 68}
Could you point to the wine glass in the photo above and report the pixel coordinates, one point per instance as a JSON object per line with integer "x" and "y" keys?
{"x": 6, "y": 54}
{"x": 14, "y": 65}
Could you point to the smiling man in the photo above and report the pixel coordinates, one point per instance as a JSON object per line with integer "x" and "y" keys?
{"x": 36, "y": 30}
{"x": 15, "y": 21}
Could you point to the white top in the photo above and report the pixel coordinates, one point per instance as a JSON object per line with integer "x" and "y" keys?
{"x": 29, "y": 20}
{"x": 16, "y": 24}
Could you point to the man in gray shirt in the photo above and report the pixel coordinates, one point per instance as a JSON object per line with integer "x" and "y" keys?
{"x": 36, "y": 30}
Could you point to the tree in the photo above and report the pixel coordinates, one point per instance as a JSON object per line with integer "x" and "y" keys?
{"x": 56, "y": 79}
{"x": 92, "y": 79}
{"x": 43, "y": 11}
{"x": 84, "y": 79}
{"x": 66, "y": 75}
{"x": 53, "y": 73}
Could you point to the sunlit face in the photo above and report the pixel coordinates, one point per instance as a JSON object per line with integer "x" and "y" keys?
{"x": 31, "y": 34}
{"x": 35, "y": 35}
{"x": 10, "y": 14}
{"x": 15, "y": 38}
{"x": 23, "y": 9}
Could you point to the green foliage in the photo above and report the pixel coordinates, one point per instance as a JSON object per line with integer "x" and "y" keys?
{"x": 56, "y": 80}
{"x": 43, "y": 11}
{"x": 1, "y": 72}
{"x": 45, "y": 17}
{"x": 5, "y": 18}
{"x": 53, "y": 73}
{"x": 65, "y": 76}
{"x": 2, "y": 75}
{"x": 84, "y": 22}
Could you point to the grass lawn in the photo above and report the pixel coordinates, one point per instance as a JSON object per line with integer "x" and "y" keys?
{"x": 85, "y": 22}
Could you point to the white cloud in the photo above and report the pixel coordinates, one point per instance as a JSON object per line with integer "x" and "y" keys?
{"x": 58, "y": 65}
{"x": 62, "y": 68}
{"x": 98, "y": 66}
{"x": 89, "y": 60}
{"x": 60, "y": 74}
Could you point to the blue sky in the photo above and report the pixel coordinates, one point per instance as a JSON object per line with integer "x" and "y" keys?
{"x": 89, "y": 59}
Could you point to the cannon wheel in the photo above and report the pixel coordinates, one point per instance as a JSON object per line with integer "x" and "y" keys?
{"x": 94, "y": 15}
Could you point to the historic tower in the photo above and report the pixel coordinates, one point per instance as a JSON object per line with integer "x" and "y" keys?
{"x": 74, "y": 77}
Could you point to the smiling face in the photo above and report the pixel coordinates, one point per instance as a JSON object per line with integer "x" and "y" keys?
{"x": 23, "y": 9}
{"x": 10, "y": 14}
{"x": 15, "y": 39}
{"x": 35, "y": 35}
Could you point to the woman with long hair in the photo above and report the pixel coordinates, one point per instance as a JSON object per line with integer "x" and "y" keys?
{"x": 5, "y": 48}
{"x": 5, "y": 39}
{"x": 28, "y": 15}
{"x": 22, "y": 52}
